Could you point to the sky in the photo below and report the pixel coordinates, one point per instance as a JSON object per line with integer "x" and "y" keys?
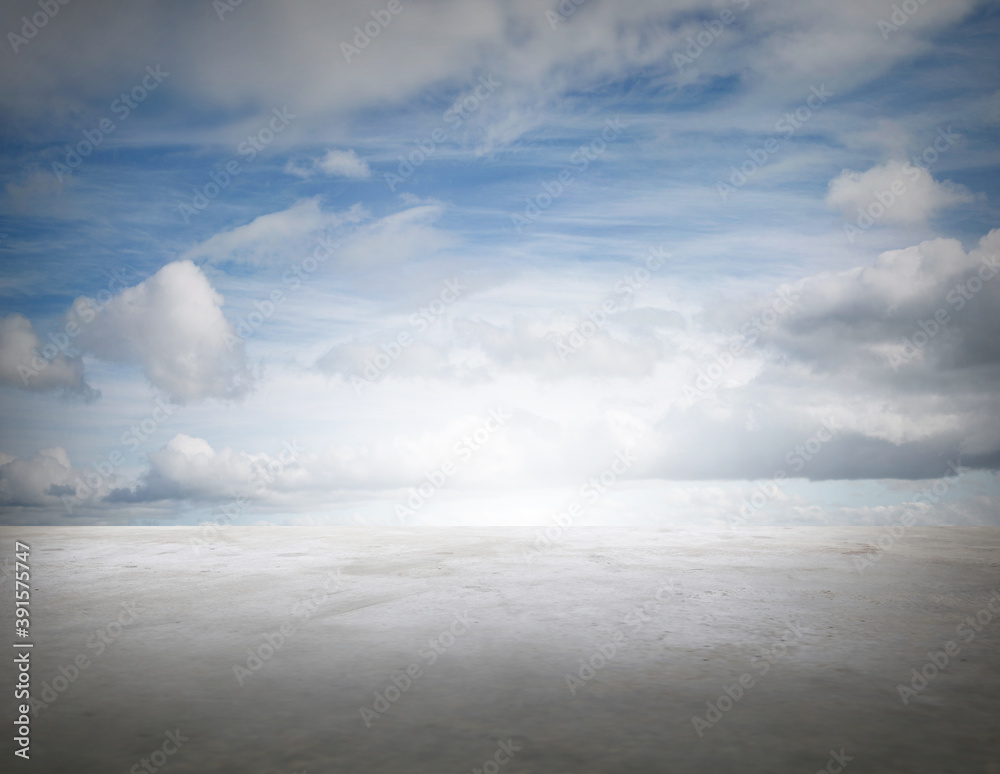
{"x": 472, "y": 262}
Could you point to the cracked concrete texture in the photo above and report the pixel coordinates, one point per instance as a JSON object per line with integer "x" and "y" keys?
{"x": 406, "y": 650}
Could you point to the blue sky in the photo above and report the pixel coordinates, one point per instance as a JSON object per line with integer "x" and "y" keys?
{"x": 731, "y": 256}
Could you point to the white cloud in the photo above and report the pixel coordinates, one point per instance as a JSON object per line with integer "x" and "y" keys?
{"x": 527, "y": 291}
{"x": 284, "y": 237}
{"x": 398, "y": 238}
{"x": 189, "y": 468}
{"x": 172, "y": 326}
{"x": 274, "y": 238}
{"x": 903, "y": 353}
{"x": 336, "y": 163}
{"x": 477, "y": 350}
{"x": 45, "y": 478}
{"x": 344, "y": 164}
{"x": 293, "y": 167}
{"x": 775, "y": 46}
{"x": 28, "y": 364}
{"x": 894, "y": 192}
{"x": 257, "y": 241}
{"x": 829, "y": 355}
{"x": 887, "y": 300}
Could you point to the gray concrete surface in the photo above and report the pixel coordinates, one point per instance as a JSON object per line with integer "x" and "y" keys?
{"x": 491, "y": 630}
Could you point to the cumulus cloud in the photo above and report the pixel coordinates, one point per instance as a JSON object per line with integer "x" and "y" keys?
{"x": 477, "y": 448}
{"x": 28, "y": 364}
{"x": 172, "y": 326}
{"x": 896, "y": 192}
{"x": 47, "y": 479}
{"x": 903, "y": 354}
{"x": 865, "y": 315}
{"x": 188, "y": 467}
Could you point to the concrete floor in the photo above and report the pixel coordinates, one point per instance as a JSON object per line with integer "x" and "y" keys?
{"x": 491, "y": 630}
